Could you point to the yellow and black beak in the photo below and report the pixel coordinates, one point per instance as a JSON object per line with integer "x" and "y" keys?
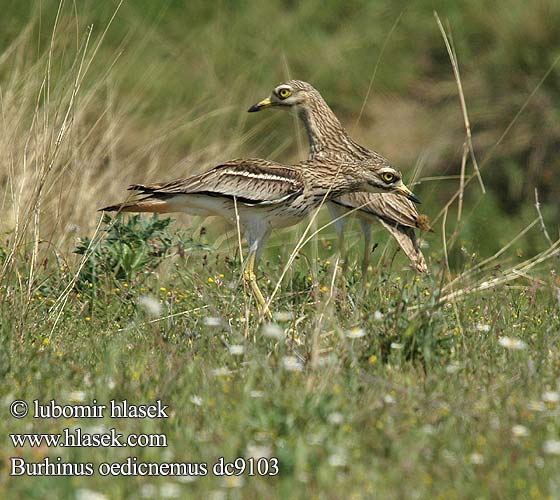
{"x": 401, "y": 189}
{"x": 265, "y": 103}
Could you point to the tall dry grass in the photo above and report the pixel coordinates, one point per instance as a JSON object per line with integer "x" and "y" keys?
{"x": 70, "y": 144}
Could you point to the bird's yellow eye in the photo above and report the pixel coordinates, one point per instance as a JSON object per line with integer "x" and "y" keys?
{"x": 284, "y": 93}
{"x": 388, "y": 177}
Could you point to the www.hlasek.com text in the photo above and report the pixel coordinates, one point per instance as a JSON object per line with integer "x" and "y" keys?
{"x": 77, "y": 438}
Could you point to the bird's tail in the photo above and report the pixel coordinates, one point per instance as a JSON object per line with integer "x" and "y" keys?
{"x": 153, "y": 203}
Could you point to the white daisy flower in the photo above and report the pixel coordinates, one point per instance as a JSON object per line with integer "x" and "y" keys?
{"x": 335, "y": 418}
{"x": 258, "y": 451}
{"x": 150, "y": 304}
{"x": 77, "y": 396}
{"x": 536, "y": 406}
{"x": 552, "y": 447}
{"x": 169, "y": 490}
{"x": 292, "y": 364}
{"x": 550, "y": 397}
{"x": 512, "y": 343}
{"x": 355, "y": 333}
{"x": 236, "y": 349}
{"x": 223, "y": 371}
{"x": 520, "y": 431}
{"x": 389, "y": 399}
{"x": 85, "y": 494}
{"x": 273, "y": 331}
{"x": 338, "y": 459}
{"x": 212, "y": 321}
{"x": 476, "y": 459}
{"x": 233, "y": 481}
{"x": 196, "y": 400}
{"x": 283, "y": 316}
{"x": 453, "y": 368}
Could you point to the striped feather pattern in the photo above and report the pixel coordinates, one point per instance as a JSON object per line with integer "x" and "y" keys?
{"x": 277, "y": 195}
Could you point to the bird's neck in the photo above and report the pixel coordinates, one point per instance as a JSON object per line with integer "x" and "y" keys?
{"x": 330, "y": 180}
{"x": 327, "y": 137}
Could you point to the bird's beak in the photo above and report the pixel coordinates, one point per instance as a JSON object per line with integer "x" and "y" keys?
{"x": 401, "y": 189}
{"x": 265, "y": 103}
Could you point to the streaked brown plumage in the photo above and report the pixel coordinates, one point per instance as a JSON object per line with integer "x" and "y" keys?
{"x": 329, "y": 140}
{"x": 262, "y": 195}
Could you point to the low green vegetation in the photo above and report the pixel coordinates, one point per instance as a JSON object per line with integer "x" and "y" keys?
{"x": 351, "y": 389}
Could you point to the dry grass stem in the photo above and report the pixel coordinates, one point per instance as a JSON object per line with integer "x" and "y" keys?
{"x": 455, "y": 64}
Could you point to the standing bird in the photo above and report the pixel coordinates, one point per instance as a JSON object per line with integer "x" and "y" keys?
{"x": 261, "y": 195}
{"x": 328, "y": 141}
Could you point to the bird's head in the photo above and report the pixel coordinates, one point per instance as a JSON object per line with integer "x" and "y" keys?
{"x": 286, "y": 96}
{"x": 387, "y": 179}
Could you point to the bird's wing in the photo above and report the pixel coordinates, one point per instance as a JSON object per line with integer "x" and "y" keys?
{"x": 407, "y": 241}
{"x": 389, "y": 207}
{"x": 252, "y": 182}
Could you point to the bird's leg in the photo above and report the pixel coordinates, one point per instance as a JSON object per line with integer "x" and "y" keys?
{"x": 343, "y": 262}
{"x": 342, "y": 252}
{"x": 251, "y": 280}
{"x": 339, "y": 223}
{"x": 365, "y": 261}
{"x": 367, "y": 250}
